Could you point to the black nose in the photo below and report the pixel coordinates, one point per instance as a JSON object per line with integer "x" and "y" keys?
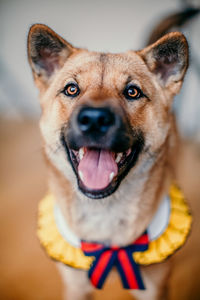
{"x": 98, "y": 120}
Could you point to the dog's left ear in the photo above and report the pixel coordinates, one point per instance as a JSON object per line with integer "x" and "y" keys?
{"x": 47, "y": 52}
{"x": 167, "y": 59}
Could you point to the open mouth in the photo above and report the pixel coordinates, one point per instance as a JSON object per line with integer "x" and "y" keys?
{"x": 100, "y": 171}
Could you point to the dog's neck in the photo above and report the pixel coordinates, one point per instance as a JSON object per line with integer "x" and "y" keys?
{"x": 123, "y": 216}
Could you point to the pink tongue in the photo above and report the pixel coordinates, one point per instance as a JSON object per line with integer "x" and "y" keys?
{"x": 96, "y": 167}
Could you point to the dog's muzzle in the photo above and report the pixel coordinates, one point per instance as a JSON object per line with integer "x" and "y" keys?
{"x": 101, "y": 147}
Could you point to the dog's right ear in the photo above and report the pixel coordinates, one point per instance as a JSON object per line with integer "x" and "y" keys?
{"x": 47, "y": 52}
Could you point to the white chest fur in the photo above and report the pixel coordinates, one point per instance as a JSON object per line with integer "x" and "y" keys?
{"x": 155, "y": 228}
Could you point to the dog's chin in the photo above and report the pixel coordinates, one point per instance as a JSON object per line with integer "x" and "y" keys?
{"x": 122, "y": 161}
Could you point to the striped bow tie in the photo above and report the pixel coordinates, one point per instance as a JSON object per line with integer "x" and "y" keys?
{"x": 121, "y": 258}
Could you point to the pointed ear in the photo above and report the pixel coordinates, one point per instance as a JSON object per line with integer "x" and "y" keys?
{"x": 167, "y": 58}
{"x": 47, "y": 52}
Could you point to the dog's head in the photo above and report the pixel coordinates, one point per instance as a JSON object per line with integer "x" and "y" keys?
{"x": 102, "y": 112}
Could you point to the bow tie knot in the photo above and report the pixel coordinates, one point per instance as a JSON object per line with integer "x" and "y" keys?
{"x": 120, "y": 257}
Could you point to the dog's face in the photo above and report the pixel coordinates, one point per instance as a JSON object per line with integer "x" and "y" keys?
{"x": 103, "y": 112}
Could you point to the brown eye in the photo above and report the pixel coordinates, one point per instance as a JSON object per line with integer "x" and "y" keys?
{"x": 132, "y": 92}
{"x": 71, "y": 90}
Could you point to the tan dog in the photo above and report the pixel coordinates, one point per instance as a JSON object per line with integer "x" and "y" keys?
{"x": 109, "y": 140}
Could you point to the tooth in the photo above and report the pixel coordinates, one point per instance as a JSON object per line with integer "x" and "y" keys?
{"x": 80, "y": 175}
{"x": 111, "y": 176}
{"x": 81, "y": 153}
{"x": 118, "y": 158}
{"x": 128, "y": 151}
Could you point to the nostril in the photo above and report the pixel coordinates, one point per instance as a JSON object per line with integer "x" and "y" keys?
{"x": 106, "y": 119}
{"x": 84, "y": 120}
{"x": 102, "y": 121}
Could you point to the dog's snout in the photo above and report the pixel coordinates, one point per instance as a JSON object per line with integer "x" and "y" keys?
{"x": 99, "y": 127}
{"x": 98, "y": 120}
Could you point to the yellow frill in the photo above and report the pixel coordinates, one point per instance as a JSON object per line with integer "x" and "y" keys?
{"x": 56, "y": 246}
{"x": 174, "y": 235}
{"x": 172, "y": 239}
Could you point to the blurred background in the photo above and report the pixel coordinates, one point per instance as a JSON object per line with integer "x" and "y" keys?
{"x": 114, "y": 26}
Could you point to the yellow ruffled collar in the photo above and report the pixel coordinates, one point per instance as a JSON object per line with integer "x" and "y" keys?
{"x": 172, "y": 237}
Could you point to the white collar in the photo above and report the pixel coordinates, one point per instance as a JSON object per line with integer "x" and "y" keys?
{"x": 155, "y": 229}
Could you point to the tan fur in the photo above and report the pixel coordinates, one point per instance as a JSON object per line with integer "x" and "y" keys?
{"x": 123, "y": 216}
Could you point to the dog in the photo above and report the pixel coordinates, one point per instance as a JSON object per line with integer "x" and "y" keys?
{"x": 110, "y": 142}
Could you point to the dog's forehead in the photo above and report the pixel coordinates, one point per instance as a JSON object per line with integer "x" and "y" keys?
{"x": 105, "y": 66}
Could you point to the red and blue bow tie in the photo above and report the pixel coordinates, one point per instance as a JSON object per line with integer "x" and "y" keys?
{"x": 121, "y": 258}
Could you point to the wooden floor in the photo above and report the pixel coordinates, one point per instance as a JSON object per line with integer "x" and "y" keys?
{"x": 25, "y": 271}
